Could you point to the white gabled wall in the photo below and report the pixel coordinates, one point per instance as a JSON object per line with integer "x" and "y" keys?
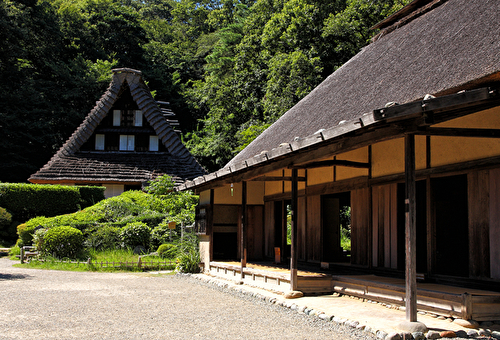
{"x": 113, "y": 190}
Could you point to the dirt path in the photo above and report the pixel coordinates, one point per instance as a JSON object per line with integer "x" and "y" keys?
{"x": 41, "y": 304}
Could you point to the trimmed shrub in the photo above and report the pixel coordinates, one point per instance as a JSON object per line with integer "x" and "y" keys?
{"x": 25, "y": 201}
{"x": 90, "y": 195}
{"x": 114, "y": 209}
{"x": 167, "y": 251}
{"x": 25, "y": 233}
{"x": 61, "y": 242}
{"x": 150, "y": 217}
{"x": 135, "y": 234}
{"x": 104, "y": 237}
{"x": 5, "y": 218}
{"x": 5, "y": 224}
{"x": 145, "y": 200}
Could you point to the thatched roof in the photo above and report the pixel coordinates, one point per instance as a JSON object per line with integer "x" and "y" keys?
{"x": 70, "y": 164}
{"x": 454, "y": 45}
{"x": 437, "y": 47}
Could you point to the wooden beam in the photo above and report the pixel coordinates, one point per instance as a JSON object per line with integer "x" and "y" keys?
{"x": 443, "y": 109}
{"x": 460, "y": 101}
{"x": 306, "y": 154}
{"x": 278, "y": 179}
{"x": 333, "y": 162}
{"x": 410, "y": 231}
{"x": 243, "y": 227}
{"x": 460, "y": 132}
{"x": 294, "y": 252}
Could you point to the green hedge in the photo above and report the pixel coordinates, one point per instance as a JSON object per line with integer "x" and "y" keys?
{"x": 90, "y": 195}
{"x": 25, "y": 201}
{"x": 63, "y": 241}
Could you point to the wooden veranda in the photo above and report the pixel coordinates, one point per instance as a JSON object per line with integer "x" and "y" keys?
{"x": 437, "y": 299}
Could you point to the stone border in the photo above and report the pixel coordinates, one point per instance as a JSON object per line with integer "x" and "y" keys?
{"x": 488, "y": 330}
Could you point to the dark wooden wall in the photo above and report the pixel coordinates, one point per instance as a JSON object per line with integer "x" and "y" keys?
{"x": 301, "y": 229}
{"x": 478, "y": 188}
{"x": 384, "y": 235}
{"x": 313, "y": 232}
{"x": 255, "y": 232}
{"x": 269, "y": 230}
{"x": 360, "y": 227}
{"x": 494, "y": 232}
{"x": 375, "y": 231}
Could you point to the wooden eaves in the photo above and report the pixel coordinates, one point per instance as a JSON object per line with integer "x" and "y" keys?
{"x": 379, "y": 125}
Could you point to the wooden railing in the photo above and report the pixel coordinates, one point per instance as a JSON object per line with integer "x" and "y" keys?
{"x": 133, "y": 264}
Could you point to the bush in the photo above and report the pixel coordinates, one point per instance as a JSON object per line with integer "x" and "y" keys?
{"x": 180, "y": 205}
{"x": 149, "y": 217}
{"x": 61, "y": 242}
{"x": 135, "y": 234}
{"x": 167, "y": 251}
{"x": 90, "y": 195}
{"x": 5, "y": 218}
{"x": 104, "y": 237}
{"x": 188, "y": 260}
{"x": 25, "y": 233}
{"x": 25, "y": 201}
{"x": 14, "y": 251}
{"x": 38, "y": 238}
{"x": 161, "y": 234}
{"x": 5, "y": 225}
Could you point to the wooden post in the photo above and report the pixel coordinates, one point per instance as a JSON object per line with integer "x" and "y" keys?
{"x": 410, "y": 230}
{"x": 467, "y": 306}
{"x": 293, "y": 252}
{"x": 243, "y": 227}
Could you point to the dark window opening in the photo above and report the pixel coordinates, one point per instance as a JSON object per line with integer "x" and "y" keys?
{"x": 336, "y": 227}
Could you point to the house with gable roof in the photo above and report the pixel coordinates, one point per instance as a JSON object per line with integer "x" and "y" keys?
{"x": 405, "y": 136}
{"x": 124, "y": 142}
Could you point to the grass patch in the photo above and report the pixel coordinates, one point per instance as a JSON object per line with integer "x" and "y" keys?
{"x": 53, "y": 264}
{"x": 345, "y": 243}
{"x": 104, "y": 261}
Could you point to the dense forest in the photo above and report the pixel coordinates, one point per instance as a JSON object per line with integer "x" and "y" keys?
{"x": 229, "y": 68}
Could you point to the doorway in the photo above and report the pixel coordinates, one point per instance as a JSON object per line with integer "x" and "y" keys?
{"x": 451, "y": 225}
{"x": 336, "y": 227}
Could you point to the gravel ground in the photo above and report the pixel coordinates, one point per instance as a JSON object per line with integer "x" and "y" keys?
{"x": 42, "y": 304}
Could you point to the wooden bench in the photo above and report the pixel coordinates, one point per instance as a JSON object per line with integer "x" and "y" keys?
{"x": 27, "y": 252}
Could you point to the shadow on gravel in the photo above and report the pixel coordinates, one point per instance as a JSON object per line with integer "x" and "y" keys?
{"x": 4, "y": 277}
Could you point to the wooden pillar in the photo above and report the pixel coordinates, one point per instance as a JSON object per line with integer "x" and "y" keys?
{"x": 294, "y": 250}
{"x": 243, "y": 227}
{"x": 410, "y": 230}
{"x": 210, "y": 225}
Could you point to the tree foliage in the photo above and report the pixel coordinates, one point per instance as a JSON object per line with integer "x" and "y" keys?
{"x": 229, "y": 68}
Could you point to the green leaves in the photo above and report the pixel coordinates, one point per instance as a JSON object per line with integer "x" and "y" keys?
{"x": 228, "y": 67}
{"x": 291, "y": 77}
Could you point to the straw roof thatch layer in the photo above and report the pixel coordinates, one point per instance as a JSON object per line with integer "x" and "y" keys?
{"x": 70, "y": 164}
{"x": 454, "y": 46}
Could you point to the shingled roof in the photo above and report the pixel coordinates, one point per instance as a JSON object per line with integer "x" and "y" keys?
{"x": 72, "y": 164}
{"x": 450, "y": 46}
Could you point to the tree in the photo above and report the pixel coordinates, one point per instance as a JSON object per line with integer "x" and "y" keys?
{"x": 264, "y": 63}
{"x": 44, "y": 87}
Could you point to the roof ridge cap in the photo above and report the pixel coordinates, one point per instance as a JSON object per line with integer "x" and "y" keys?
{"x": 388, "y": 25}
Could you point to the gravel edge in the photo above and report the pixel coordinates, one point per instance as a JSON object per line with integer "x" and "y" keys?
{"x": 317, "y": 318}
